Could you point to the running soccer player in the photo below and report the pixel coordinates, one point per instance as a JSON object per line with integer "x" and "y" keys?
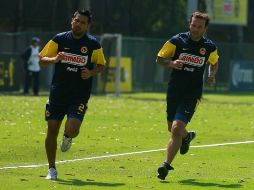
{"x": 187, "y": 54}
{"x": 77, "y": 57}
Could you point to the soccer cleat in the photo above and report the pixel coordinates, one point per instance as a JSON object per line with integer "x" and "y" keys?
{"x": 186, "y": 142}
{"x": 52, "y": 174}
{"x": 163, "y": 170}
{"x": 65, "y": 144}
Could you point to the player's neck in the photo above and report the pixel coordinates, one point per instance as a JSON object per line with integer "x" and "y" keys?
{"x": 78, "y": 36}
{"x": 196, "y": 39}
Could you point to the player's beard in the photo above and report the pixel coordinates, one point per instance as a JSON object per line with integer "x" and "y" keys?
{"x": 196, "y": 36}
{"x": 77, "y": 32}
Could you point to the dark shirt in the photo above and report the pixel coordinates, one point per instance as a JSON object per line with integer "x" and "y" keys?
{"x": 67, "y": 85}
{"x": 189, "y": 80}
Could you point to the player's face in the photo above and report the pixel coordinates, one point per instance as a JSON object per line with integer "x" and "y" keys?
{"x": 79, "y": 25}
{"x": 197, "y": 28}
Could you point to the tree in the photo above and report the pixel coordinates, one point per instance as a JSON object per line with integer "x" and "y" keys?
{"x": 148, "y": 18}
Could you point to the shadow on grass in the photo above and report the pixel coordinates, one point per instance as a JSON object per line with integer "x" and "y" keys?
{"x": 207, "y": 184}
{"x": 78, "y": 182}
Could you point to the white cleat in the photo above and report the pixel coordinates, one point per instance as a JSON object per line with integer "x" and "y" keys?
{"x": 65, "y": 144}
{"x": 52, "y": 174}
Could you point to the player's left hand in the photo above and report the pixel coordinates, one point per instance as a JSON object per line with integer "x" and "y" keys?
{"x": 211, "y": 80}
{"x": 85, "y": 73}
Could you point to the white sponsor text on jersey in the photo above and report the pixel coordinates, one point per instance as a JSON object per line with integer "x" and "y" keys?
{"x": 193, "y": 60}
{"x": 74, "y": 59}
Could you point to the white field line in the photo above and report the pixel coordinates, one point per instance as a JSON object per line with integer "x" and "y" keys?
{"x": 122, "y": 154}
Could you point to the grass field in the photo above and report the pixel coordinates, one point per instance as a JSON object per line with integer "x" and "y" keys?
{"x": 130, "y": 123}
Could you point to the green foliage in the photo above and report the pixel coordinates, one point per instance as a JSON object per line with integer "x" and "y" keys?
{"x": 133, "y": 122}
{"x": 147, "y": 18}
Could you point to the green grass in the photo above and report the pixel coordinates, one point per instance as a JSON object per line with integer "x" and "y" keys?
{"x": 132, "y": 122}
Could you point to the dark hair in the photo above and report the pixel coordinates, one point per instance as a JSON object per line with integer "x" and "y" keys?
{"x": 200, "y": 15}
{"x": 84, "y": 12}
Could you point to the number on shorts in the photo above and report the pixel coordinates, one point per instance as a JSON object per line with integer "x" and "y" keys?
{"x": 81, "y": 107}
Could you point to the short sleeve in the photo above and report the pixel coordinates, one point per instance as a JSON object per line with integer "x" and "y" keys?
{"x": 98, "y": 56}
{"x": 167, "y": 50}
{"x": 49, "y": 50}
{"x": 213, "y": 57}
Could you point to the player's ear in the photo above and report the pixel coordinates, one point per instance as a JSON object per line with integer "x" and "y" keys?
{"x": 72, "y": 19}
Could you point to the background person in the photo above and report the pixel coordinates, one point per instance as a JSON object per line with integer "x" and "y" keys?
{"x": 32, "y": 68}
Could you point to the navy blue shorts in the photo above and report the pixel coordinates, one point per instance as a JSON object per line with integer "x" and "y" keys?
{"x": 57, "y": 112}
{"x": 181, "y": 108}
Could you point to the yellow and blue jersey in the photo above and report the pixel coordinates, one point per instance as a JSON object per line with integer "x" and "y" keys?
{"x": 194, "y": 55}
{"x": 67, "y": 85}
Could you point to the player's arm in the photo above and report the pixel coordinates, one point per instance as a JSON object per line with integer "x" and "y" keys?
{"x": 44, "y": 61}
{"x": 164, "y": 57}
{"x": 49, "y": 54}
{"x": 168, "y": 62}
{"x": 213, "y": 67}
{"x": 99, "y": 60}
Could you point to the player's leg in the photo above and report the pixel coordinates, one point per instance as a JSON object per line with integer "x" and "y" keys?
{"x": 51, "y": 141}
{"x": 74, "y": 120}
{"x": 172, "y": 103}
{"x": 178, "y": 130}
{"x": 53, "y": 116}
{"x": 187, "y": 111}
{"x": 72, "y": 127}
{"x": 176, "y": 125}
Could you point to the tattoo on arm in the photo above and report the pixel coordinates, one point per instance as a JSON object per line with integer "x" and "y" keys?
{"x": 163, "y": 61}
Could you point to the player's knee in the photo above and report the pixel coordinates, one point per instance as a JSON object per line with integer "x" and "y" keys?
{"x": 72, "y": 131}
{"x": 176, "y": 130}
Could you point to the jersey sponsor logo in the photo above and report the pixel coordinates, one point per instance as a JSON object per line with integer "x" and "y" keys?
{"x": 189, "y": 69}
{"x": 202, "y": 51}
{"x": 193, "y": 60}
{"x": 84, "y": 49}
{"x": 74, "y": 59}
{"x": 72, "y": 69}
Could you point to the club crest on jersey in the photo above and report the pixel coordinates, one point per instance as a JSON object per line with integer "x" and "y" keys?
{"x": 84, "y": 49}
{"x": 74, "y": 59}
{"x": 193, "y": 60}
{"x": 202, "y": 51}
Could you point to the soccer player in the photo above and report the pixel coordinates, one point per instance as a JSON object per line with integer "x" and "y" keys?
{"x": 187, "y": 54}
{"x": 77, "y": 57}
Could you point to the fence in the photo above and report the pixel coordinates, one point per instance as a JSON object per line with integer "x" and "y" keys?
{"x": 146, "y": 75}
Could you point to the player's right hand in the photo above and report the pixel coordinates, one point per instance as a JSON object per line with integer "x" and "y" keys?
{"x": 59, "y": 57}
{"x": 177, "y": 64}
